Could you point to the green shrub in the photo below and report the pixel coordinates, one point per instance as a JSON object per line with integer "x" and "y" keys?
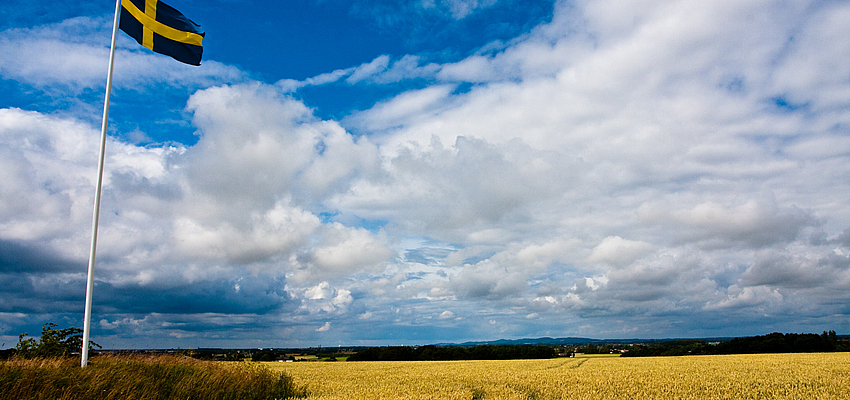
{"x": 53, "y": 342}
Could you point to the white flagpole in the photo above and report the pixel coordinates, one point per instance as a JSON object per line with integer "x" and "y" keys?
{"x": 96, "y": 212}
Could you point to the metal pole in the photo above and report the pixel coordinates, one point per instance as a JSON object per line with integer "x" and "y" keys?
{"x": 96, "y": 212}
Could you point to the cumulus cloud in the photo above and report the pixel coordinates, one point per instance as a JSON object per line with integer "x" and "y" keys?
{"x": 445, "y": 192}
{"x": 658, "y": 129}
{"x": 185, "y": 222}
{"x": 278, "y": 231}
{"x": 349, "y": 250}
{"x": 604, "y": 164}
{"x": 324, "y": 328}
{"x": 623, "y": 169}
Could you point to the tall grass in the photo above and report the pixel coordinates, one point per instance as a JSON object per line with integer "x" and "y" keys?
{"x": 150, "y": 378}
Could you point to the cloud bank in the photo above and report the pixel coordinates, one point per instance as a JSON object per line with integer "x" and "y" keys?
{"x": 664, "y": 169}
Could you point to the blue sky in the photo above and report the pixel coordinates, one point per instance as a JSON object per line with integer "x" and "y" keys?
{"x": 421, "y": 171}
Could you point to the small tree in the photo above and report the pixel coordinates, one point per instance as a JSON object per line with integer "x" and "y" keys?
{"x": 53, "y": 342}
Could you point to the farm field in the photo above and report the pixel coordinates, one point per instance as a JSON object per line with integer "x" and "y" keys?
{"x": 759, "y": 376}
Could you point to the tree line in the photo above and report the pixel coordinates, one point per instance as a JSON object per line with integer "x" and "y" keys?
{"x": 772, "y": 343}
{"x": 438, "y": 353}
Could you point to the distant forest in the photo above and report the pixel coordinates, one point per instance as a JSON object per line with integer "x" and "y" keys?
{"x": 434, "y": 353}
{"x": 773, "y": 343}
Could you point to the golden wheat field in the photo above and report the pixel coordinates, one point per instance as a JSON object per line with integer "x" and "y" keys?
{"x": 760, "y": 376}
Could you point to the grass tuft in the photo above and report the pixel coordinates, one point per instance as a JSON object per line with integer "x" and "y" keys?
{"x": 150, "y": 378}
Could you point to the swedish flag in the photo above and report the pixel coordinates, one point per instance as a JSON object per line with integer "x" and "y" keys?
{"x": 162, "y": 29}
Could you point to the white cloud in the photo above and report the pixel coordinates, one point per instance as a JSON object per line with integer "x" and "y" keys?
{"x": 462, "y": 190}
{"x": 368, "y": 70}
{"x": 615, "y": 250}
{"x": 488, "y": 281}
{"x": 238, "y": 197}
{"x": 276, "y": 232}
{"x": 45, "y": 173}
{"x": 738, "y": 297}
{"x": 74, "y": 54}
{"x": 812, "y": 71}
{"x": 402, "y": 109}
{"x": 776, "y": 269}
{"x": 457, "y": 9}
{"x": 343, "y": 298}
{"x": 291, "y": 85}
{"x": 258, "y": 141}
{"x": 472, "y": 69}
{"x": 324, "y": 298}
{"x": 380, "y": 70}
{"x": 349, "y": 249}
{"x": 319, "y": 292}
{"x": 406, "y": 67}
{"x": 56, "y": 54}
{"x": 647, "y": 161}
{"x": 754, "y": 223}
{"x": 654, "y": 123}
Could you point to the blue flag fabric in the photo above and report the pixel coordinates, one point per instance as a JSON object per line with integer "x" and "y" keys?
{"x": 163, "y": 29}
